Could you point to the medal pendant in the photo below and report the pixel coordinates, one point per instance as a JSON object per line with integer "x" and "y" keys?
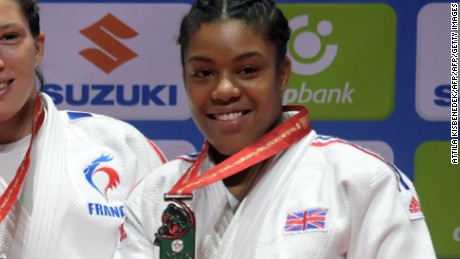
{"x": 176, "y": 236}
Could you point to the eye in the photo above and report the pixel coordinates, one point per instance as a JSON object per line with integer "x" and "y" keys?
{"x": 204, "y": 73}
{"x": 8, "y": 37}
{"x": 11, "y": 36}
{"x": 247, "y": 71}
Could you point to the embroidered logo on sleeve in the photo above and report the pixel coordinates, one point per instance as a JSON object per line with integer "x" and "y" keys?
{"x": 412, "y": 205}
{"x": 307, "y": 220}
{"x": 408, "y": 196}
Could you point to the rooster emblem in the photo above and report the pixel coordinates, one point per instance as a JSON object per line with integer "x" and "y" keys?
{"x": 95, "y": 167}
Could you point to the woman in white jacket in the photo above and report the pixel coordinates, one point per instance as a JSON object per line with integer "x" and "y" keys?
{"x": 265, "y": 185}
{"x": 64, "y": 175}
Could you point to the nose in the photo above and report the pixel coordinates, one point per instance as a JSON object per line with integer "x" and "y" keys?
{"x": 225, "y": 90}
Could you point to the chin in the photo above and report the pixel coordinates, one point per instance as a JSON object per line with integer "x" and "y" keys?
{"x": 221, "y": 154}
{"x": 231, "y": 151}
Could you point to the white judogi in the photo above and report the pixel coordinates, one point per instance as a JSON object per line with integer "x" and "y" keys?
{"x": 369, "y": 209}
{"x": 71, "y": 205}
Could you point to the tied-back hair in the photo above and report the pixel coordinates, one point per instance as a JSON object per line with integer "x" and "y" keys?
{"x": 31, "y": 12}
{"x": 263, "y": 16}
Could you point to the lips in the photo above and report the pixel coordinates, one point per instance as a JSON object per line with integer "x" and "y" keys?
{"x": 230, "y": 116}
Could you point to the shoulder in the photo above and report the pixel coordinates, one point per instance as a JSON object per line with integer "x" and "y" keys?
{"x": 82, "y": 124}
{"x": 336, "y": 151}
{"x": 352, "y": 162}
{"x": 95, "y": 121}
{"x": 162, "y": 179}
{"x": 169, "y": 173}
{"x": 104, "y": 129}
{"x": 366, "y": 172}
{"x": 111, "y": 131}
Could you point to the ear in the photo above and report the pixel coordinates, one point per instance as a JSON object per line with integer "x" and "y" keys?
{"x": 40, "y": 48}
{"x": 285, "y": 73}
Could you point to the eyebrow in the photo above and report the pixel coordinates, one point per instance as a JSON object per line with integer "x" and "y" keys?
{"x": 247, "y": 55}
{"x": 237, "y": 58}
{"x": 9, "y": 25}
{"x": 199, "y": 58}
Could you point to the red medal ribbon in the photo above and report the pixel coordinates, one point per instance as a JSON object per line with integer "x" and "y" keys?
{"x": 11, "y": 193}
{"x": 278, "y": 139}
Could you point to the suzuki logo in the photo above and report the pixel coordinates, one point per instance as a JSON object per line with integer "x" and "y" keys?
{"x": 104, "y": 33}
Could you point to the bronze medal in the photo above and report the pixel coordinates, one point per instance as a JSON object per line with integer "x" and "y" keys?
{"x": 176, "y": 235}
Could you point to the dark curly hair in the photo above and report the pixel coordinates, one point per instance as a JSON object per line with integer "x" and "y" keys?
{"x": 261, "y": 15}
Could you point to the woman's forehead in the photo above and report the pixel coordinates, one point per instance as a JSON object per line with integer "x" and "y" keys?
{"x": 224, "y": 33}
{"x": 227, "y": 41}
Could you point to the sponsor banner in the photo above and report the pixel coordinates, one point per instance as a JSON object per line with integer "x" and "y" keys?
{"x": 433, "y": 90}
{"x": 343, "y": 60}
{"x": 121, "y": 60}
{"x": 436, "y": 181}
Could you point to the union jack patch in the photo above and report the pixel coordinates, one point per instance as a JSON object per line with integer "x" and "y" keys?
{"x": 307, "y": 220}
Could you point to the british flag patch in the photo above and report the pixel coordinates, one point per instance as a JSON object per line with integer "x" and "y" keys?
{"x": 307, "y": 220}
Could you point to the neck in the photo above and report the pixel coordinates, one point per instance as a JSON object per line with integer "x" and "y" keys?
{"x": 239, "y": 184}
{"x": 20, "y": 125}
{"x": 215, "y": 155}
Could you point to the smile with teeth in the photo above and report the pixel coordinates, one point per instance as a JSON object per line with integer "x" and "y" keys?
{"x": 228, "y": 116}
{"x": 4, "y": 84}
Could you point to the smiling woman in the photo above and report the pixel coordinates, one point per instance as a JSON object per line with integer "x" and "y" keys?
{"x": 265, "y": 185}
{"x": 64, "y": 175}
{"x": 21, "y": 51}
{"x": 234, "y": 84}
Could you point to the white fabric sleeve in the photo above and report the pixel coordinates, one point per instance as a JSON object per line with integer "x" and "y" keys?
{"x": 386, "y": 224}
{"x": 133, "y": 241}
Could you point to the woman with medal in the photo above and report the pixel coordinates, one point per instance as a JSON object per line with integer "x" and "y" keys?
{"x": 64, "y": 175}
{"x": 265, "y": 185}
